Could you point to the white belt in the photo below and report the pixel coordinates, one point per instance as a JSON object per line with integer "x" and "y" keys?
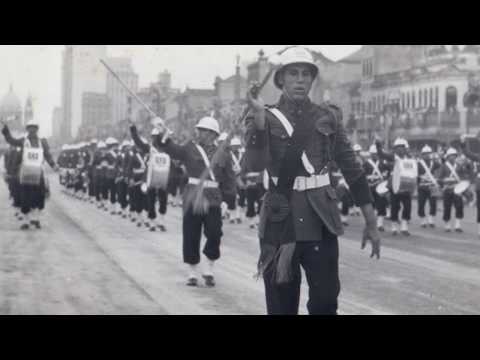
{"x": 303, "y": 183}
{"x": 207, "y": 183}
{"x": 252, "y": 174}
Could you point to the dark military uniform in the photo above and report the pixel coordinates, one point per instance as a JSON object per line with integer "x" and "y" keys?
{"x": 31, "y": 196}
{"x": 425, "y": 188}
{"x": 304, "y": 231}
{"x": 380, "y": 202}
{"x": 121, "y": 180}
{"x": 110, "y": 176}
{"x": 13, "y": 160}
{"x": 450, "y": 199}
{"x": 211, "y": 221}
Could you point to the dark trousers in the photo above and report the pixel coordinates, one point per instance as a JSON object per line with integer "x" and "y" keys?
{"x": 122, "y": 190}
{"x": 139, "y": 199}
{"x": 254, "y": 200}
{"x": 242, "y": 197}
{"x": 380, "y": 202}
{"x": 405, "y": 201}
{"x": 231, "y": 201}
{"x": 91, "y": 187}
{"x": 320, "y": 263}
{"x": 32, "y": 197}
{"x": 192, "y": 235}
{"x": 347, "y": 203}
{"x": 424, "y": 196}
{"x": 99, "y": 188}
{"x": 151, "y": 198}
{"x": 451, "y": 200}
{"x": 111, "y": 190}
{"x": 131, "y": 198}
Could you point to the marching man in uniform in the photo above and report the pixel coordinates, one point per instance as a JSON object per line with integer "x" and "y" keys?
{"x": 428, "y": 187}
{"x": 296, "y": 141}
{"x": 202, "y": 202}
{"x": 377, "y": 172}
{"x": 451, "y": 175}
{"x": 402, "y": 198}
{"x": 236, "y": 202}
{"x": 32, "y": 179}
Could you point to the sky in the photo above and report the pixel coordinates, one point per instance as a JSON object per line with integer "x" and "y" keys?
{"x": 36, "y": 69}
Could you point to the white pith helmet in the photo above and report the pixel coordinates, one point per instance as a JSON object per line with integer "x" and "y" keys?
{"x": 294, "y": 55}
{"x": 209, "y": 123}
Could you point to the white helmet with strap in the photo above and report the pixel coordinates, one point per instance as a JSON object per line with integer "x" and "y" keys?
{"x": 209, "y": 123}
{"x": 427, "y": 150}
{"x": 295, "y": 55}
{"x": 111, "y": 141}
{"x": 451, "y": 151}
{"x": 400, "y": 142}
{"x": 357, "y": 148}
{"x": 373, "y": 149}
{"x": 32, "y": 123}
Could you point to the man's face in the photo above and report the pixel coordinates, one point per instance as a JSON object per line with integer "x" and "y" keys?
{"x": 401, "y": 150}
{"x": 297, "y": 80}
{"x": 205, "y": 137}
{"x": 374, "y": 157}
{"x": 32, "y": 130}
{"x": 426, "y": 156}
{"x": 451, "y": 159}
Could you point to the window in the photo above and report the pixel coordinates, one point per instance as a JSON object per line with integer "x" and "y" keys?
{"x": 413, "y": 100}
{"x": 425, "y": 97}
{"x": 436, "y": 98}
{"x": 431, "y": 97}
{"x": 408, "y": 100}
{"x": 451, "y": 98}
{"x": 403, "y": 101}
{"x": 420, "y": 98}
{"x": 374, "y": 104}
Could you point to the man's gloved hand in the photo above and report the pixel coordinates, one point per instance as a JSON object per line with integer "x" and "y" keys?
{"x": 371, "y": 234}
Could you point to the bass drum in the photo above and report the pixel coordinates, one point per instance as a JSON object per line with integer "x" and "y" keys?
{"x": 158, "y": 170}
{"x": 405, "y": 175}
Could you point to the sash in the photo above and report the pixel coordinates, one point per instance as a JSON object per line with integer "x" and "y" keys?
{"x": 236, "y": 162}
{"x": 453, "y": 172}
{"x": 206, "y": 161}
{"x": 376, "y": 170}
{"x": 429, "y": 172}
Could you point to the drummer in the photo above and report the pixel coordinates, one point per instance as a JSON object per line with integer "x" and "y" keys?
{"x": 236, "y": 209}
{"x": 32, "y": 197}
{"x": 402, "y": 199}
{"x": 451, "y": 174}
{"x": 153, "y": 194}
{"x": 427, "y": 183}
{"x": 377, "y": 171}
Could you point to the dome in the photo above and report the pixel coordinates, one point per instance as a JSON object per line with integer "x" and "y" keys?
{"x": 10, "y": 103}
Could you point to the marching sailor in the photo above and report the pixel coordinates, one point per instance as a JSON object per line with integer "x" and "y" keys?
{"x": 451, "y": 174}
{"x": 152, "y": 193}
{"x": 236, "y": 202}
{"x": 13, "y": 160}
{"x": 33, "y": 183}
{"x": 401, "y": 199}
{"x": 296, "y": 141}
{"x": 121, "y": 179}
{"x": 202, "y": 203}
{"x": 378, "y": 171}
{"x": 428, "y": 187}
{"x": 99, "y": 178}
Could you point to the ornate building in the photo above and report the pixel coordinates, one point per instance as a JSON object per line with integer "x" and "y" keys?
{"x": 425, "y": 93}
{"x": 11, "y": 110}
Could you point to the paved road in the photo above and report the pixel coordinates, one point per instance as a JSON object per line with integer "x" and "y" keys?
{"x": 85, "y": 261}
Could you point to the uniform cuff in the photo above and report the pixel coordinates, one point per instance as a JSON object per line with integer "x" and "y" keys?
{"x": 361, "y": 192}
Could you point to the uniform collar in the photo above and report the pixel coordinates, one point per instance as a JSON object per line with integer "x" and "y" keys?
{"x": 291, "y": 106}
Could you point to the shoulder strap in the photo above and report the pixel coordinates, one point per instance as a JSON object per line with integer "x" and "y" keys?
{"x": 453, "y": 171}
{"x": 289, "y": 129}
{"x": 205, "y": 160}
{"x": 375, "y": 168}
{"x": 428, "y": 171}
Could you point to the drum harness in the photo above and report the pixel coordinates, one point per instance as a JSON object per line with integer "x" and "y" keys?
{"x": 376, "y": 170}
{"x": 208, "y": 183}
{"x": 428, "y": 171}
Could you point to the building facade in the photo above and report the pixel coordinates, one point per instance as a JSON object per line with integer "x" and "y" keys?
{"x": 81, "y": 72}
{"x": 413, "y": 91}
{"x": 119, "y": 97}
{"x": 96, "y": 112}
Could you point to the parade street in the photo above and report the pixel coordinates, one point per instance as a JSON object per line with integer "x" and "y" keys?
{"x": 85, "y": 261}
